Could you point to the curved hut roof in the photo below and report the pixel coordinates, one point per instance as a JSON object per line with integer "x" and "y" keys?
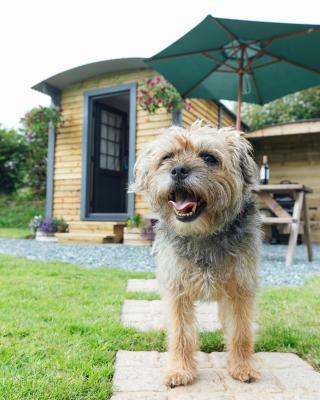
{"x": 66, "y": 78}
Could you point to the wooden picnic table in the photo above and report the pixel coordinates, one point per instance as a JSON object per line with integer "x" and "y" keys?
{"x": 292, "y": 222}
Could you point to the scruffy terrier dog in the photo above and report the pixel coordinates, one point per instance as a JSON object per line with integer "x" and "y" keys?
{"x": 199, "y": 183}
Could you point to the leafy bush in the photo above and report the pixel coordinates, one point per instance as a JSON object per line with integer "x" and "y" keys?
{"x": 294, "y": 107}
{"x": 17, "y": 210}
{"x": 35, "y": 125}
{"x": 13, "y": 155}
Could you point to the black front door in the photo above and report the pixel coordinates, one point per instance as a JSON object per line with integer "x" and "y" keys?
{"x": 109, "y": 160}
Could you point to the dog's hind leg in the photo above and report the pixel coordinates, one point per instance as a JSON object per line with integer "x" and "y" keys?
{"x": 238, "y": 315}
{"x": 183, "y": 341}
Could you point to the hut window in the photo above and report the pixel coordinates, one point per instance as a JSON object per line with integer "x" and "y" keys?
{"x": 111, "y": 127}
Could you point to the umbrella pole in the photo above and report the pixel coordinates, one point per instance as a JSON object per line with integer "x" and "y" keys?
{"x": 239, "y": 102}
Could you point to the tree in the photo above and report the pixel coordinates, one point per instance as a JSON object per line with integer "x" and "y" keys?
{"x": 13, "y": 156}
{"x": 294, "y": 107}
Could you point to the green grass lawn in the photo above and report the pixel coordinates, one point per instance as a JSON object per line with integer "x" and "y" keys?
{"x": 15, "y": 232}
{"x": 60, "y": 330}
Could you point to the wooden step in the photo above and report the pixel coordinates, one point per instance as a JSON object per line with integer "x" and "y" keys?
{"x": 85, "y": 237}
{"x": 104, "y": 229}
{"x": 94, "y": 226}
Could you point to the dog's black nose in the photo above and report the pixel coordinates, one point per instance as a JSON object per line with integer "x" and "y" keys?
{"x": 180, "y": 172}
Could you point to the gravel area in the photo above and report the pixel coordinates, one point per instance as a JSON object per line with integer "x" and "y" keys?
{"x": 273, "y": 271}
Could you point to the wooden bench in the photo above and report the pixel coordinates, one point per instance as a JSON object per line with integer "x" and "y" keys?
{"x": 293, "y": 223}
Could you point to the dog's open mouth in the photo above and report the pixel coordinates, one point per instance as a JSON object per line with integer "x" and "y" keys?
{"x": 186, "y": 205}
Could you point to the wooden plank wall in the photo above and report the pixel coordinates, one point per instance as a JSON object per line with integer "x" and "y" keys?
{"x": 207, "y": 111}
{"x": 148, "y": 128}
{"x": 227, "y": 119}
{"x": 297, "y": 159}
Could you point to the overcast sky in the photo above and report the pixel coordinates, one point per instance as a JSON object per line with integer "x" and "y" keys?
{"x": 40, "y": 38}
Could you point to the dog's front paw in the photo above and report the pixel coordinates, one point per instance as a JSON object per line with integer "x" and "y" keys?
{"x": 175, "y": 378}
{"x": 243, "y": 373}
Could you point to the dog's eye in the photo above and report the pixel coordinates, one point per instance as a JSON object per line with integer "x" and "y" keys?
{"x": 167, "y": 157}
{"x": 208, "y": 158}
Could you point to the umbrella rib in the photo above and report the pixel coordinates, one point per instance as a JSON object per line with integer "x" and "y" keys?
{"x": 184, "y": 94}
{"x": 219, "y": 61}
{"x": 187, "y": 53}
{"x": 221, "y": 25}
{"x": 266, "y": 64}
{"x": 295, "y": 33}
{"x": 257, "y": 55}
{"x": 310, "y": 69}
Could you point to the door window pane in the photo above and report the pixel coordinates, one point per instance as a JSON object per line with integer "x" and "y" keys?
{"x": 110, "y": 163}
{"x": 103, "y": 146}
{"x": 110, "y": 137}
{"x": 112, "y": 133}
{"x": 104, "y": 131}
{"x": 103, "y": 161}
{"x": 104, "y": 116}
{"x": 117, "y": 164}
{"x": 112, "y": 119}
{"x": 111, "y": 149}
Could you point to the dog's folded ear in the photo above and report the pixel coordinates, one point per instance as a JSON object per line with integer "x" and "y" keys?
{"x": 140, "y": 171}
{"x": 242, "y": 156}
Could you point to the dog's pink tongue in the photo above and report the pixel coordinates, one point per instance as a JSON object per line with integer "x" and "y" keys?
{"x": 184, "y": 204}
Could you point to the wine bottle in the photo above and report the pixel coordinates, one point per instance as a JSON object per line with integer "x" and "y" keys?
{"x": 264, "y": 171}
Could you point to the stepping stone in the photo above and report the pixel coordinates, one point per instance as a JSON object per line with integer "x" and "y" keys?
{"x": 139, "y": 376}
{"x": 147, "y": 315}
{"x": 142, "y": 285}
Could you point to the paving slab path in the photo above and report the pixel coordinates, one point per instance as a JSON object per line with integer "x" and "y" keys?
{"x": 142, "y": 285}
{"x": 284, "y": 376}
{"x": 146, "y": 315}
{"x": 139, "y": 375}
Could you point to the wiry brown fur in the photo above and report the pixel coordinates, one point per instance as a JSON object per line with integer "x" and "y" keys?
{"x": 213, "y": 257}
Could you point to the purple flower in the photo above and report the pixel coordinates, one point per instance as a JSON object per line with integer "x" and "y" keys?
{"x": 48, "y": 225}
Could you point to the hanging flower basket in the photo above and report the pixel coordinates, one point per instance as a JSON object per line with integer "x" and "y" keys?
{"x": 157, "y": 93}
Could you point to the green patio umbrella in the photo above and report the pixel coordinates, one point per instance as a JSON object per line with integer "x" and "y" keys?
{"x": 249, "y": 61}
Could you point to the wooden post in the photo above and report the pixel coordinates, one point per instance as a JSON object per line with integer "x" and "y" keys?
{"x": 306, "y": 227}
{"x": 238, "y": 126}
{"x": 294, "y": 230}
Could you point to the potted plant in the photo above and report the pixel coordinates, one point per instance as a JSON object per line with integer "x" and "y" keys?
{"x": 46, "y": 230}
{"x": 138, "y": 231}
{"x": 62, "y": 225}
